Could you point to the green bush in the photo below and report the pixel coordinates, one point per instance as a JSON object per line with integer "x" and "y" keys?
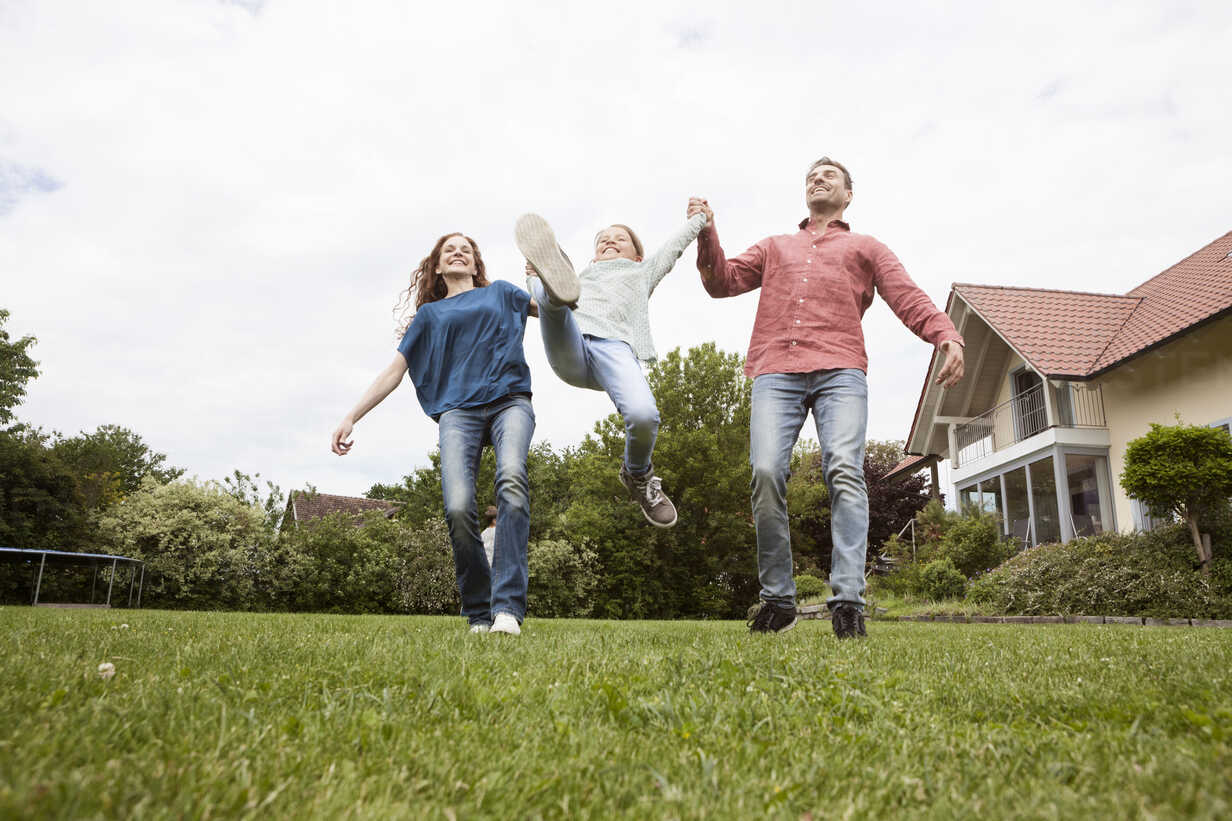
{"x": 808, "y": 586}
{"x": 974, "y": 544}
{"x": 1141, "y": 574}
{"x": 903, "y": 581}
{"x": 562, "y": 579}
{"x": 425, "y": 578}
{"x": 940, "y": 579}
{"x": 202, "y": 547}
{"x": 333, "y": 565}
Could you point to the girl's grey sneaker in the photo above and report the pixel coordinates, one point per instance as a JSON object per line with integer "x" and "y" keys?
{"x": 538, "y": 244}
{"x": 647, "y": 491}
{"x": 770, "y": 618}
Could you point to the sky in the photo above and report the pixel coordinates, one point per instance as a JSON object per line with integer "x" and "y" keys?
{"x": 208, "y": 209}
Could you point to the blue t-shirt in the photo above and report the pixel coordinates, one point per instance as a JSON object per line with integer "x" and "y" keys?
{"x": 466, "y": 350}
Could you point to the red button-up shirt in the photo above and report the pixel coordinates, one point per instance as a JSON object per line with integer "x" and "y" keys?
{"x": 815, "y": 288}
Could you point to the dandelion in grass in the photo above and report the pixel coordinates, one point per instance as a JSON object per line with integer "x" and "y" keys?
{"x": 106, "y": 670}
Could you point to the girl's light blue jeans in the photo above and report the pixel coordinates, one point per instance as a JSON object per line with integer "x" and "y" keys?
{"x": 508, "y": 424}
{"x": 839, "y": 402}
{"x": 598, "y": 364}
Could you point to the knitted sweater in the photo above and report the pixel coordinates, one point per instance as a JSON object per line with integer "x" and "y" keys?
{"x": 614, "y": 303}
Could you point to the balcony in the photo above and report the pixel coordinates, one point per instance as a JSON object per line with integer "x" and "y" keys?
{"x": 1076, "y": 405}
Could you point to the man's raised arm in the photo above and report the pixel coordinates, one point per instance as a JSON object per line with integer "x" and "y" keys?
{"x": 721, "y": 276}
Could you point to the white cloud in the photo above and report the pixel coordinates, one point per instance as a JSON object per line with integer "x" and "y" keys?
{"x": 245, "y": 187}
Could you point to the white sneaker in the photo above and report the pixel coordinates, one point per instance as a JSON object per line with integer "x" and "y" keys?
{"x": 505, "y": 623}
{"x": 479, "y": 627}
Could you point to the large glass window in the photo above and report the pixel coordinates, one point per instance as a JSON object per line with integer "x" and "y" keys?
{"x": 1017, "y": 509}
{"x": 1084, "y": 496}
{"x": 990, "y": 497}
{"x": 969, "y": 499}
{"x": 1044, "y": 498}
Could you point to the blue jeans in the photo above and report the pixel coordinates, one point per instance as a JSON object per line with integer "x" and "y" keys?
{"x": 507, "y": 424}
{"x": 839, "y": 401}
{"x": 608, "y": 365}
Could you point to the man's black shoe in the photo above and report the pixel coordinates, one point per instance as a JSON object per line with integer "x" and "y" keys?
{"x": 771, "y": 618}
{"x": 848, "y": 621}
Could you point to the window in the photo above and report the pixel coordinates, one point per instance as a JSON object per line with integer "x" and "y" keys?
{"x": 1044, "y": 499}
{"x": 1085, "y": 502}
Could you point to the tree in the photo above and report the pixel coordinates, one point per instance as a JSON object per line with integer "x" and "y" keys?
{"x": 40, "y": 503}
{"x": 705, "y": 565}
{"x": 891, "y": 502}
{"x": 16, "y": 369}
{"x": 111, "y": 463}
{"x": 1182, "y": 469}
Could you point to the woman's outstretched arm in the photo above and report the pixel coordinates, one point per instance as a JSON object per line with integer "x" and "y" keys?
{"x": 383, "y": 386}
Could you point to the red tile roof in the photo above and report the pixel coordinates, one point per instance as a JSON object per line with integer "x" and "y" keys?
{"x": 908, "y": 466}
{"x": 1076, "y": 334}
{"x": 307, "y": 506}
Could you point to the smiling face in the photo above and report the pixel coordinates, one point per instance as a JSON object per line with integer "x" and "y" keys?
{"x": 826, "y": 189}
{"x": 457, "y": 257}
{"x": 616, "y": 242}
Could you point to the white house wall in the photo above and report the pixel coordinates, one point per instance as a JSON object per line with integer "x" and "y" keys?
{"x": 1191, "y": 377}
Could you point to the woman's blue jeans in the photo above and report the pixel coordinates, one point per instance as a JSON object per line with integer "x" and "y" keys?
{"x": 508, "y": 425}
{"x": 839, "y": 402}
{"x": 599, "y": 364}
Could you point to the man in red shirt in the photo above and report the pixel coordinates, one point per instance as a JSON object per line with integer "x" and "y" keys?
{"x": 807, "y": 353}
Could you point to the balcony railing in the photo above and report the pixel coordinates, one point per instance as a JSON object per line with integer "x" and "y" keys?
{"x": 1024, "y": 415}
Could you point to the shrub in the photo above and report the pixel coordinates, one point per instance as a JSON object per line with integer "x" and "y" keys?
{"x": 974, "y": 544}
{"x": 425, "y": 578}
{"x": 201, "y": 546}
{"x": 562, "y": 579}
{"x": 331, "y": 565}
{"x": 808, "y": 586}
{"x": 904, "y": 580}
{"x": 1142, "y": 574}
{"x": 940, "y": 579}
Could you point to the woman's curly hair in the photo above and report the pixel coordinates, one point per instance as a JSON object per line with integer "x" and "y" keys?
{"x": 427, "y": 285}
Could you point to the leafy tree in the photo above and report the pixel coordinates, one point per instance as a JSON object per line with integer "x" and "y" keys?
{"x": 111, "y": 463}
{"x": 1182, "y": 469}
{"x": 705, "y": 565}
{"x": 891, "y": 503}
{"x": 272, "y": 501}
{"x": 16, "y": 369}
{"x": 808, "y": 510}
{"x": 40, "y": 502}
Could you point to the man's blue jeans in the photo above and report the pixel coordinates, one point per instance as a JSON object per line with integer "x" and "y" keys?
{"x": 599, "y": 364}
{"x": 839, "y": 401}
{"x": 507, "y": 424}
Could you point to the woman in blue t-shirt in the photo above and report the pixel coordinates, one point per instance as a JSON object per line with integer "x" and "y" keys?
{"x": 463, "y": 349}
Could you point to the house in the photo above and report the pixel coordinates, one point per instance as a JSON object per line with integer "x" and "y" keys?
{"x": 1059, "y": 382}
{"x": 305, "y": 506}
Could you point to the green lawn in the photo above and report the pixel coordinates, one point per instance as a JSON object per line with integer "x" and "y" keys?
{"x": 224, "y": 715}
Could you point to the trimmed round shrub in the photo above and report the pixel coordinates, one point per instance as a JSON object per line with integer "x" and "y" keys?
{"x": 940, "y": 579}
{"x": 808, "y": 586}
{"x": 974, "y": 544}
